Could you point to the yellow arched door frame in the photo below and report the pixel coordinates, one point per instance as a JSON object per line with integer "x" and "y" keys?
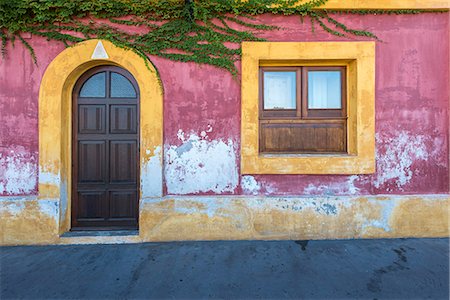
{"x": 55, "y": 119}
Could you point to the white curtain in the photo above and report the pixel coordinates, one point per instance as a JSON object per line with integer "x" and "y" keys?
{"x": 324, "y": 89}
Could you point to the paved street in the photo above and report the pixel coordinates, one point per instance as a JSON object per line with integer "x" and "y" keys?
{"x": 372, "y": 269}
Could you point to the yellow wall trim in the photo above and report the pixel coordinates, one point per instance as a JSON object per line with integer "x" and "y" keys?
{"x": 387, "y": 4}
{"x": 359, "y": 57}
{"x": 32, "y": 221}
{"x": 383, "y": 4}
{"x": 55, "y": 119}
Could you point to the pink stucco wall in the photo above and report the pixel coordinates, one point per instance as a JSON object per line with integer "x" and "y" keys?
{"x": 202, "y": 116}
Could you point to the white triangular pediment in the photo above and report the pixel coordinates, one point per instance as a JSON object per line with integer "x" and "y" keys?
{"x": 99, "y": 52}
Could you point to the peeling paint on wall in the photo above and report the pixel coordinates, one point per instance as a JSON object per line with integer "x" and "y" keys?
{"x": 412, "y": 151}
{"x": 200, "y": 165}
{"x": 18, "y": 172}
{"x": 438, "y": 152}
{"x": 26, "y": 220}
{"x": 11, "y": 206}
{"x": 250, "y": 185}
{"x": 318, "y": 205}
{"x": 249, "y": 217}
{"x": 383, "y": 222}
{"x": 334, "y": 188}
{"x": 48, "y": 177}
{"x": 396, "y": 156}
{"x": 15, "y": 206}
{"x": 50, "y": 208}
{"x": 151, "y": 174}
{"x": 412, "y": 102}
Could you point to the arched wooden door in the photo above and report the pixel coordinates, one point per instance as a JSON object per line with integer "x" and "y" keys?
{"x": 105, "y": 150}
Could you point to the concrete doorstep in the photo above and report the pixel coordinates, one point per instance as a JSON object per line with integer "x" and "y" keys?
{"x": 341, "y": 269}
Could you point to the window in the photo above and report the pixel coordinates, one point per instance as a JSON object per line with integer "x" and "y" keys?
{"x": 302, "y": 110}
{"x": 308, "y": 108}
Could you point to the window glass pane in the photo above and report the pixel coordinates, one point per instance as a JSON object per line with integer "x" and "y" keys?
{"x": 324, "y": 89}
{"x": 121, "y": 87}
{"x": 94, "y": 87}
{"x": 279, "y": 90}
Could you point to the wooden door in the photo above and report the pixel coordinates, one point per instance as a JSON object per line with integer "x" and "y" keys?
{"x": 105, "y": 169}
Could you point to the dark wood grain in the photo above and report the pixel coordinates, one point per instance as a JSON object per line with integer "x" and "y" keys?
{"x": 303, "y": 138}
{"x": 105, "y": 155}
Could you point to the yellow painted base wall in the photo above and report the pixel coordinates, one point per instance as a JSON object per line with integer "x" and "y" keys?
{"x": 26, "y": 221}
{"x": 32, "y": 221}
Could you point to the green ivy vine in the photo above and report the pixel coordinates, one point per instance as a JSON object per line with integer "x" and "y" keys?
{"x": 205, "y": 32}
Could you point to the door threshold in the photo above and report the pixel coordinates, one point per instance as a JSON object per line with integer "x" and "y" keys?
{"x": 100, "y": 237}
{"x": 101, "y": 233}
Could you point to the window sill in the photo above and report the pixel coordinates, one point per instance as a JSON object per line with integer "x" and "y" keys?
{"x": 339, "y": 164}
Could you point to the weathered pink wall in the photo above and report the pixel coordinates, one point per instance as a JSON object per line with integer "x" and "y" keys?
{"x": 202, "y": 116}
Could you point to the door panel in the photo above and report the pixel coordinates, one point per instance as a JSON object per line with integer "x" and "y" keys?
{"x": 91, "y": 205}
{"x": 122, "y": 204}
{"x": 91, "y": 119}
{"x": 91, "y": 162}
{"x": 123, "y": 162}
{"x": 105, "y": 150}
{"x": 123, "y": 119}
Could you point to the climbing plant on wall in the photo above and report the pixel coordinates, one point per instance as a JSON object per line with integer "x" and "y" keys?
{"x": 207, "y": 32}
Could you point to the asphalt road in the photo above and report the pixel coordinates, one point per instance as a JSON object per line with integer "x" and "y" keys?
{"x": 343, "y": 269}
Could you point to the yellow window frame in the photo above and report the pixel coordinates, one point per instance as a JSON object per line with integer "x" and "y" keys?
{"x": 359, "y": 58}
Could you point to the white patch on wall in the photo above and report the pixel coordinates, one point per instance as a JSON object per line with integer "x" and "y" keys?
{"x": 63, "y": 201}
{"x": 180, "y": 135}
{"x": 347, "y": 187}
{"x": 250, "y": 185}
{"x": 48, "y": 178}
{"x": 18, "y": 173}
{"x": 352, "y": 189}
{"x": 16, "y": 205}
{"x": 387, "y": 207}
{"x": 99, "y": 52}
{"x": 49, "y": 208}
{"x": 321, "y": 205}
{"x": 438, "y": 152}
{"x": 394, "y": 165}
{"x": 270, "y": 189}
{"x": 151, "y": 175}
{"x": 199, "y": 165}
{"x": 12, "y": 207}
